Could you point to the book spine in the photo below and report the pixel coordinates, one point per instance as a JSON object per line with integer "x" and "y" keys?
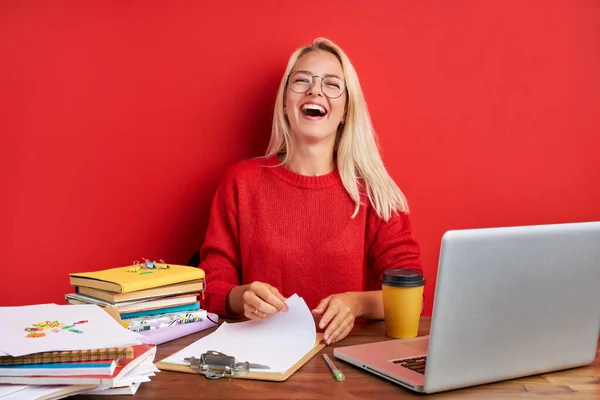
{"x": 188, "y": 307}
{"x": 157, "y": 321}
{"x": 69, "y": 356}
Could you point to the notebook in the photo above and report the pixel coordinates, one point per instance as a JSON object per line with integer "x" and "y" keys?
{"x": 145, "y": 294}
{"x": 98, "y": 367}
{"x": 510, "y": 302}
{"x": 128, "y": 279}
{"x": 136, "y": 305}
{"x": 69, "y": 356}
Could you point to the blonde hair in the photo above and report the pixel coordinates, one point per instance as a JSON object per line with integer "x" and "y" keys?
{"x": 356, "y": 150}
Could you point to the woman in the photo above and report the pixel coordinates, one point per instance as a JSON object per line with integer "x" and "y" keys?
{"x": 318, "y": 215}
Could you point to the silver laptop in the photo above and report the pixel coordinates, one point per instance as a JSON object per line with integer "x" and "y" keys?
{"x": 509, "y": 302}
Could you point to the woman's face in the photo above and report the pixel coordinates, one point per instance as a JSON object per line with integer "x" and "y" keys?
{"x": 315, "y": 111}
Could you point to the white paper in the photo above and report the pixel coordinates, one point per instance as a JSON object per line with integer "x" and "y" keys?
{"x": 124, "y": 390}
{"x": 141, "y": 373}
{"x": 100, "y": 330}
{"x": 35, "y": 391}
{"x": 278, "y": 342}
{"x": 6, "y": 389}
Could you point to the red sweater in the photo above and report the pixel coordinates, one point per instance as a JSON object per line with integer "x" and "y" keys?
{"x": 296, "y": 233}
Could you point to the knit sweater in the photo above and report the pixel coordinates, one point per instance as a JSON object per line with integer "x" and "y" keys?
{"x": 296, "y": 232}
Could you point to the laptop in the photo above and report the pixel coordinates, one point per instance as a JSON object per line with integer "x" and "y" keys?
{"x": 509, "y": 302}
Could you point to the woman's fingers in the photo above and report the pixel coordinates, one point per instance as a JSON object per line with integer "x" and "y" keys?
{"x": 262, "y": 300}
{"x": 338, "y": 317}
{"x": 341, "y": 328}
{"x": 344, "y": 333}
{"x": 255, "y": 302}
{"x": 252, "y": 313}
{"x": 320, "y": 309}
{"x": 275, "y": 298}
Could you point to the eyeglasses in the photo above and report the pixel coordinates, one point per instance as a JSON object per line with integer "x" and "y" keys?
{"x": 331, "y": 86}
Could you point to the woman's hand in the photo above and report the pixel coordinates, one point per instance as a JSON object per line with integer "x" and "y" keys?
{"x": 338, "y": 313}
{"x": 258, "y": 300}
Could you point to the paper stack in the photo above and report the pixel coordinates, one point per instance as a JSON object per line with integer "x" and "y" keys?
{"x": 52, "y": 351}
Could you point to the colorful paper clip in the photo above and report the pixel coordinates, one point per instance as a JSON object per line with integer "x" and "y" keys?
{"x": 148, "y": 266}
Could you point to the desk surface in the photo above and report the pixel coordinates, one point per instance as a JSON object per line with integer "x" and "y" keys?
{"x": 315, "y": 381}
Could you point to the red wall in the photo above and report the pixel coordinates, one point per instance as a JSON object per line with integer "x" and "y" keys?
{"x": 118, "y": 119}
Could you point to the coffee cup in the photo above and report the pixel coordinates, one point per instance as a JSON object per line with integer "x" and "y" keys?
{"x": 402, "y": 302}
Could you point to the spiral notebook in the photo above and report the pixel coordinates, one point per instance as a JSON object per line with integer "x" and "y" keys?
{"x": 70, "y": 356}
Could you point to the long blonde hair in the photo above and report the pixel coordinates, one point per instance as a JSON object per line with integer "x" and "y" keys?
{"x": 356, "y": 150}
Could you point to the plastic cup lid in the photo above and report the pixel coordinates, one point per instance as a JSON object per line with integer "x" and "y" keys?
{"x": 403, "y": 278}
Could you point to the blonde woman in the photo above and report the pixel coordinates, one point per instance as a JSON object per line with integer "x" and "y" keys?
{"x": 318, "y": 215}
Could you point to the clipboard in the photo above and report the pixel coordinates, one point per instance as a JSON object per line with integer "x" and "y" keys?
{"x": 263, "y": 376}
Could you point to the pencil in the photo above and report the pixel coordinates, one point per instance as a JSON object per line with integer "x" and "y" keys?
{"x": 339, "y": 376}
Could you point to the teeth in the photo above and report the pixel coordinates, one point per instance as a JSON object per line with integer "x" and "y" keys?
{"x": 313, "y": 107}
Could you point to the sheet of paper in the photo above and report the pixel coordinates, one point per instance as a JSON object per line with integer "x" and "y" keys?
{"x": 279, "y": 341}
{"x": 124, "y": 390}
{"x": 98, "y": 331}
{"x": 38, "y": 391}
{"x": 140, "y": 373}
{"x": 6, "y": 389}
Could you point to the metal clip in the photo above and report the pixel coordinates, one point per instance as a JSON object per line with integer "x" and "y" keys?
{"x": 215, "y": 365}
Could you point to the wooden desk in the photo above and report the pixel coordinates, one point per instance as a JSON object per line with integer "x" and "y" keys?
{"x": 315, "y": 381}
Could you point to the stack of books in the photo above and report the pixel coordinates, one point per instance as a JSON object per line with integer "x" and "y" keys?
{"x": 154, "y": 299}
{"x": 70, "y": 349}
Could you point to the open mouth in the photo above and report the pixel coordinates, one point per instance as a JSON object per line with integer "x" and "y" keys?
{"x": 313, "y": 110}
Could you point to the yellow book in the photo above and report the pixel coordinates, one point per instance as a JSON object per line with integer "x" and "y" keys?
{"x": 146, "y": 294}
{"x": 136, "y": 277}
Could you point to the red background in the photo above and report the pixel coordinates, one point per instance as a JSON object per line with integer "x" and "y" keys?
{"x": 118, "y": 119}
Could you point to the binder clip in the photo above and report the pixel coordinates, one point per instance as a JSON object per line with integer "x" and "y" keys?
{"x": 215, "y": 365}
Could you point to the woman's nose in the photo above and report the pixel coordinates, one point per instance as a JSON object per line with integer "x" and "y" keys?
{"x": 315, "y": 88}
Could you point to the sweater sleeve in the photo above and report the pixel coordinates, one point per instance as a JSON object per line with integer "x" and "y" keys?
{"x": 392, "y": 247}
{"x": 219, "y": 254}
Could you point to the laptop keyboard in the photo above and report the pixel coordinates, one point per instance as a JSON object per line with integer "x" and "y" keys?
{"x": 416, "y": 364}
